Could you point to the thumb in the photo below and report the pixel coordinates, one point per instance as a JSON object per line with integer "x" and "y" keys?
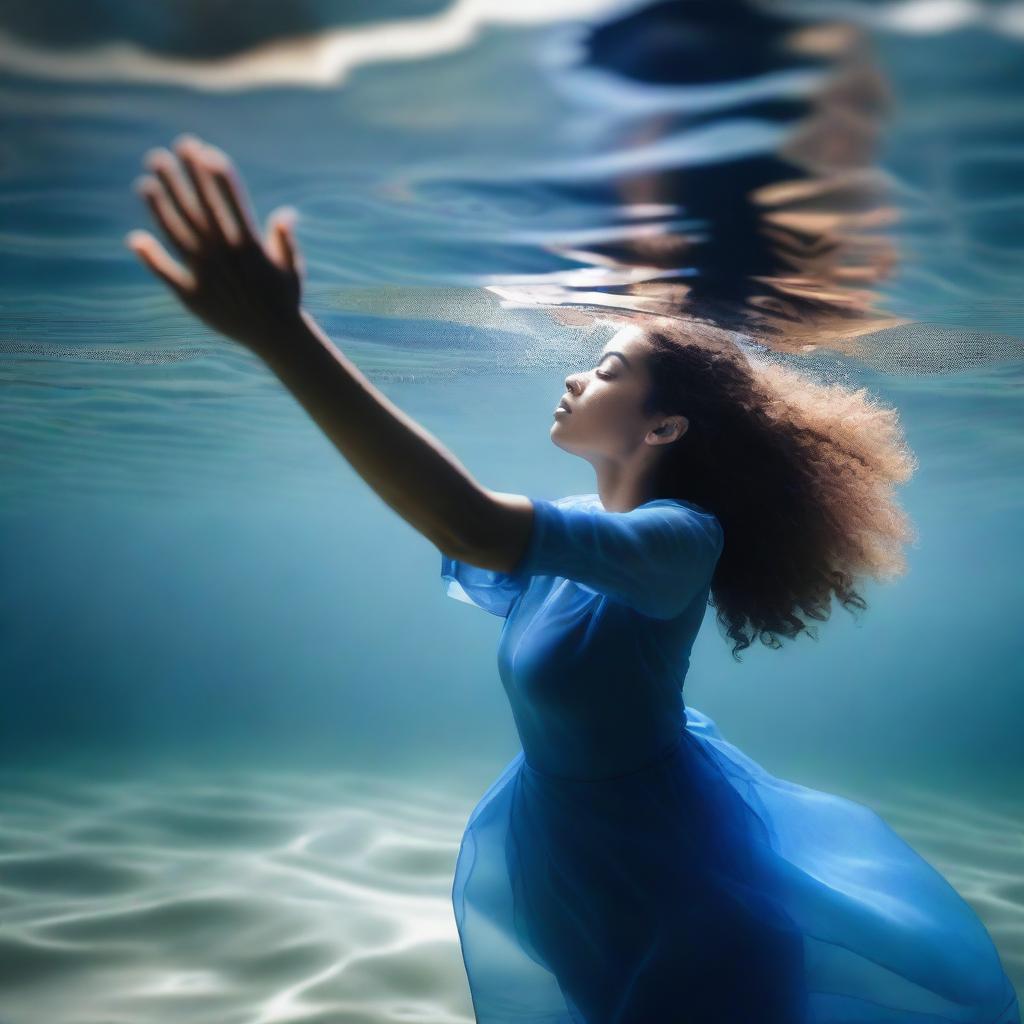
{"x": 280, "y": 240}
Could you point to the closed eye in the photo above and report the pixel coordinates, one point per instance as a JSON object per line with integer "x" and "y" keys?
{"x": 603, "y": 376}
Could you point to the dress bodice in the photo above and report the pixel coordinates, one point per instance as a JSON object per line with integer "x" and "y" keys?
{"x": 600, "y": 618}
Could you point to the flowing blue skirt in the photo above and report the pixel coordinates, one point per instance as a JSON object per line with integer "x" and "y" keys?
{"x": 700, "y": 889}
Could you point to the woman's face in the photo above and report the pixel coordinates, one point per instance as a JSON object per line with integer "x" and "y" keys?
{"x": 605, "y": 418}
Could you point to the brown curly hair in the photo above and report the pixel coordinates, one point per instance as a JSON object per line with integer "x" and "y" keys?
{"x": 799, "y": 472}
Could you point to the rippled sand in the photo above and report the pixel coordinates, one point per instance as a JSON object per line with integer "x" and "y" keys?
{"x": 258, "y": 898}
{"x": 252, "y": 899}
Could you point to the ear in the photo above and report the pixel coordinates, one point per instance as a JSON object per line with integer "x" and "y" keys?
{"x": 673, "y": 428}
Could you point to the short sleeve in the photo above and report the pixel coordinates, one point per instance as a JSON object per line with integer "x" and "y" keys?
{"x": 493, "y": 591}
{"x": 656, "y": 558}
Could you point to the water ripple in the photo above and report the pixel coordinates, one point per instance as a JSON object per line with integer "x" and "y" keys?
{"x": 321, "y": 59}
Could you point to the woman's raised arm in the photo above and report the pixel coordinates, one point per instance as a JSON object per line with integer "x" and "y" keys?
{"x": 250, "y": 289}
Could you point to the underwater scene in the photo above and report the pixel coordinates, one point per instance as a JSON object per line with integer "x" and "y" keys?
{"x": 243, "y": 726}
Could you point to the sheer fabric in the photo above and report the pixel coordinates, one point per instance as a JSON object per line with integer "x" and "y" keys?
{"x": 631, "y": 866}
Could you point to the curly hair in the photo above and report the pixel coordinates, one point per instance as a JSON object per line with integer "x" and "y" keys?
{"x": 800, "y": 474}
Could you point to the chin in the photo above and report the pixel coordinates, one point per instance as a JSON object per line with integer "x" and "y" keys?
{"x": 559, "y": 444}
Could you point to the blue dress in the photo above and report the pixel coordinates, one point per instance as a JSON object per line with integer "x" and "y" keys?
{"x": 631, "y": 866}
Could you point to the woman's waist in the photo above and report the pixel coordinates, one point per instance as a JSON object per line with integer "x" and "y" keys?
{"x": 600, "y": 764}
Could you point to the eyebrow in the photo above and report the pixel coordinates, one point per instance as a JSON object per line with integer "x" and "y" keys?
{"x": 613, "y": 353}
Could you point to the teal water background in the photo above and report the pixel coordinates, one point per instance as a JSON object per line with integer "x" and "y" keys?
{"x": 242, "y": 727}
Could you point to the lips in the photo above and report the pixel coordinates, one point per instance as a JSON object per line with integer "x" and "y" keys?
{"x": 562, "y": 405}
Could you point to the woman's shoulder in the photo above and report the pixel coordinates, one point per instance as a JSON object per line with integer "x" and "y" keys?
{"x": 694, "y": 519}
{"x": 578, "y": 501}
{"x": 593, "y": 501}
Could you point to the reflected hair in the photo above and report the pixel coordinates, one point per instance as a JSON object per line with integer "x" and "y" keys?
{"x": 800, "y": 473}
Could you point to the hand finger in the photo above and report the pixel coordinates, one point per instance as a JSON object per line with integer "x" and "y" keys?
{"x": 190, "y": 153}
{"x": 232, "y": 191}
{"x": 275, "y": 246}
{"x": 163, "y": 164}
{"x": 295, "y": 260}
{"x": 279, "y": 242}
{"x": 166, "y": 216}
{"x": 157, "y": 259}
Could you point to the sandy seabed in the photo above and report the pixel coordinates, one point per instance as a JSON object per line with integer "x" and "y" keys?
{"x": 255, "y": 897}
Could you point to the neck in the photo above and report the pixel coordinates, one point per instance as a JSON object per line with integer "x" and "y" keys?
{"x": 621, "y": 494}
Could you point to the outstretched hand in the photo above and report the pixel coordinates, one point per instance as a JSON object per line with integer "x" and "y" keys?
{"x": 243, "y": 286}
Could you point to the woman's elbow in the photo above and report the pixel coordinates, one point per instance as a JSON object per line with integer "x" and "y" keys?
{"x": 497, "y": 531}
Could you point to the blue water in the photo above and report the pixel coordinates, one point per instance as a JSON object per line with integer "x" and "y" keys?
{"x": 227, "y": 792}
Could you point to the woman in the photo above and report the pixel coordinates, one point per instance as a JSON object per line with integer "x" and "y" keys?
{"x": 630, "y": 865}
